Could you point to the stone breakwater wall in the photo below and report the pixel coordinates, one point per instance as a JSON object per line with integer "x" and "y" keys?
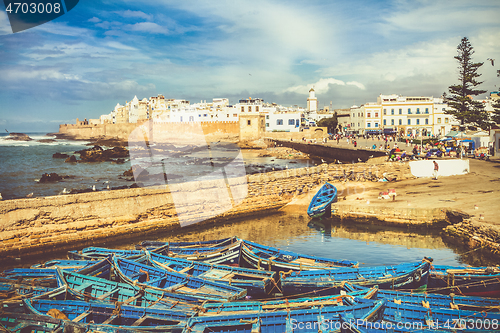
{"x": 328, "y": 152}
{"x": 30, "y": 227}
{"x": 475, "y": 236}
{"x": 397, "y": 216}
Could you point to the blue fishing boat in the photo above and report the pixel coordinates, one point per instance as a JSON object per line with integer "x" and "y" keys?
{"x": 321, "y": 203}
{"x": 348, "y": 324}
{"x": 257, "y": 283}
{"x": 349, "y": 298}
{"x": 223, "y": 255}
{"x": 21, "y": 322}
{"x": 432, "y": 300}
{"x": 74, "y": 265}
{"x": 468, "y": 281}
{"x": 321, "y": 319}
{"x": 109, "y": 314}
{"x": 174, "y": 282}
{"x": 440, "y": 318}
{"x": 409, "y": 276}
{"x": 85, "y": 287}
{"x": 264, "y": 257}
{"x": 150, "y": 245}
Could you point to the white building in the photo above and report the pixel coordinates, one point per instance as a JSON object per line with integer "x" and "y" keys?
{"x": 410, "y": 116}
{"x": 357, "y": 119}
{"x": 283, "y": 121}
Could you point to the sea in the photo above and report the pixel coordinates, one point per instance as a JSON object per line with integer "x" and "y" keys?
{"x": 23, "y": 163}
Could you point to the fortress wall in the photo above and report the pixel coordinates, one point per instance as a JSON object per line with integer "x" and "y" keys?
{"x": 122, "y": 131}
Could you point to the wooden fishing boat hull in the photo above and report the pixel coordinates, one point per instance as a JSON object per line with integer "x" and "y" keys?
{"x": 150, "y": 245}
{"x": 108, "y": 314}
{"x": 440, "y": 318}
{"x": 322, "y": 201}
{"x": 468, "y": 281}
{"x": 433, "y": 300}
{"x": 85, "y": 287}
{"x": 24, "y": 323}
{"x": 303, "y": 320}
{"x": 257, "y": 283}
{"x": 326, "y": 282}
{"x": 272, "y": 305}
{"x": 272, "y": 259}
{"x": 161, "y": 279}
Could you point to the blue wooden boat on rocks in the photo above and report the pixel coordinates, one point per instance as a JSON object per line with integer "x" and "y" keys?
{"x": 321, "y": 203}
{"x": 257, "y": 283}
{"x": 408, "y": 276}
{"x": 269, "y": 258}
{"x": 179, "y": 283}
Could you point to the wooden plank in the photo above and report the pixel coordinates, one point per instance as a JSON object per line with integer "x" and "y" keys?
{"x": 109, "y": 320}
{"x": 109, "y": 293}
{"x": 82, "y": 287}
{"x": 185, "y": 269}
{"x": 139, "y": 321}
{"x": 81, "y": 316}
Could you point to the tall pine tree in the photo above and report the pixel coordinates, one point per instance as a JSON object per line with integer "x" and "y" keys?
{"x": 463, "y": 107}
{"x": 496, "y": 114}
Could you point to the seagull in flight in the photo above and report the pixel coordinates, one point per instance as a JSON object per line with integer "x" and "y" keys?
{"x": 492, "y": 61}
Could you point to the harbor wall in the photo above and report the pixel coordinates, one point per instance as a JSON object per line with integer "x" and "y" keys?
{"x": 122, "y": 131}
{"x": 30, "y": 227}
{"x": 330, "y": 153}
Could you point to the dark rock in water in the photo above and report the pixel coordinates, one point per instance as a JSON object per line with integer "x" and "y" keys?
{"x": 124, "y": 187}
{"x": 95, "y": 148}
{"x": 60, "y": 155}
{"x": 53, "y": 177}
{"x": 18, "y": 137}
{"x": 97, "y": 154}
{"x": 119, "y": 161}
{"x": 71, "y": 159}
{"x": 134, "y": 185}
{"x": 140, "y": 172}
{"x": 46, "y": 140}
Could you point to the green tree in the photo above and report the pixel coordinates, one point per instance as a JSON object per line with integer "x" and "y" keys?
{"x": 330, "y": 123}
{"x": 469, "y": 112}
{"x": 495, "y": 117}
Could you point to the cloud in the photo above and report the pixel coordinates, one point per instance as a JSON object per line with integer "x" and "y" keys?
{"x": 148, "y": 27}
{"x": 4, "y": 24}
{"x": 447, "y": 15}
{"x": 120, "y": 46}
{"x": 94, "y": 20}
{"x": 322, "y": 86}
{"x": 135, "y": 14}
{"x": 61, "y": 28}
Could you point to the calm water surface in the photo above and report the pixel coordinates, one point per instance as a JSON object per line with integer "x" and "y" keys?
{"x": 368, "y": 244}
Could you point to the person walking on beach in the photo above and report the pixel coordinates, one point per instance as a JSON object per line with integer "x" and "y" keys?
{"x": 436, "y": 169}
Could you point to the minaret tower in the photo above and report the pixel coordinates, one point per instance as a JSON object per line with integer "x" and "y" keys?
{"x": 312, "y": 101}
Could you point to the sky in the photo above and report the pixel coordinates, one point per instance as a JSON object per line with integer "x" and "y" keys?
{"x": 105, "y": 52}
